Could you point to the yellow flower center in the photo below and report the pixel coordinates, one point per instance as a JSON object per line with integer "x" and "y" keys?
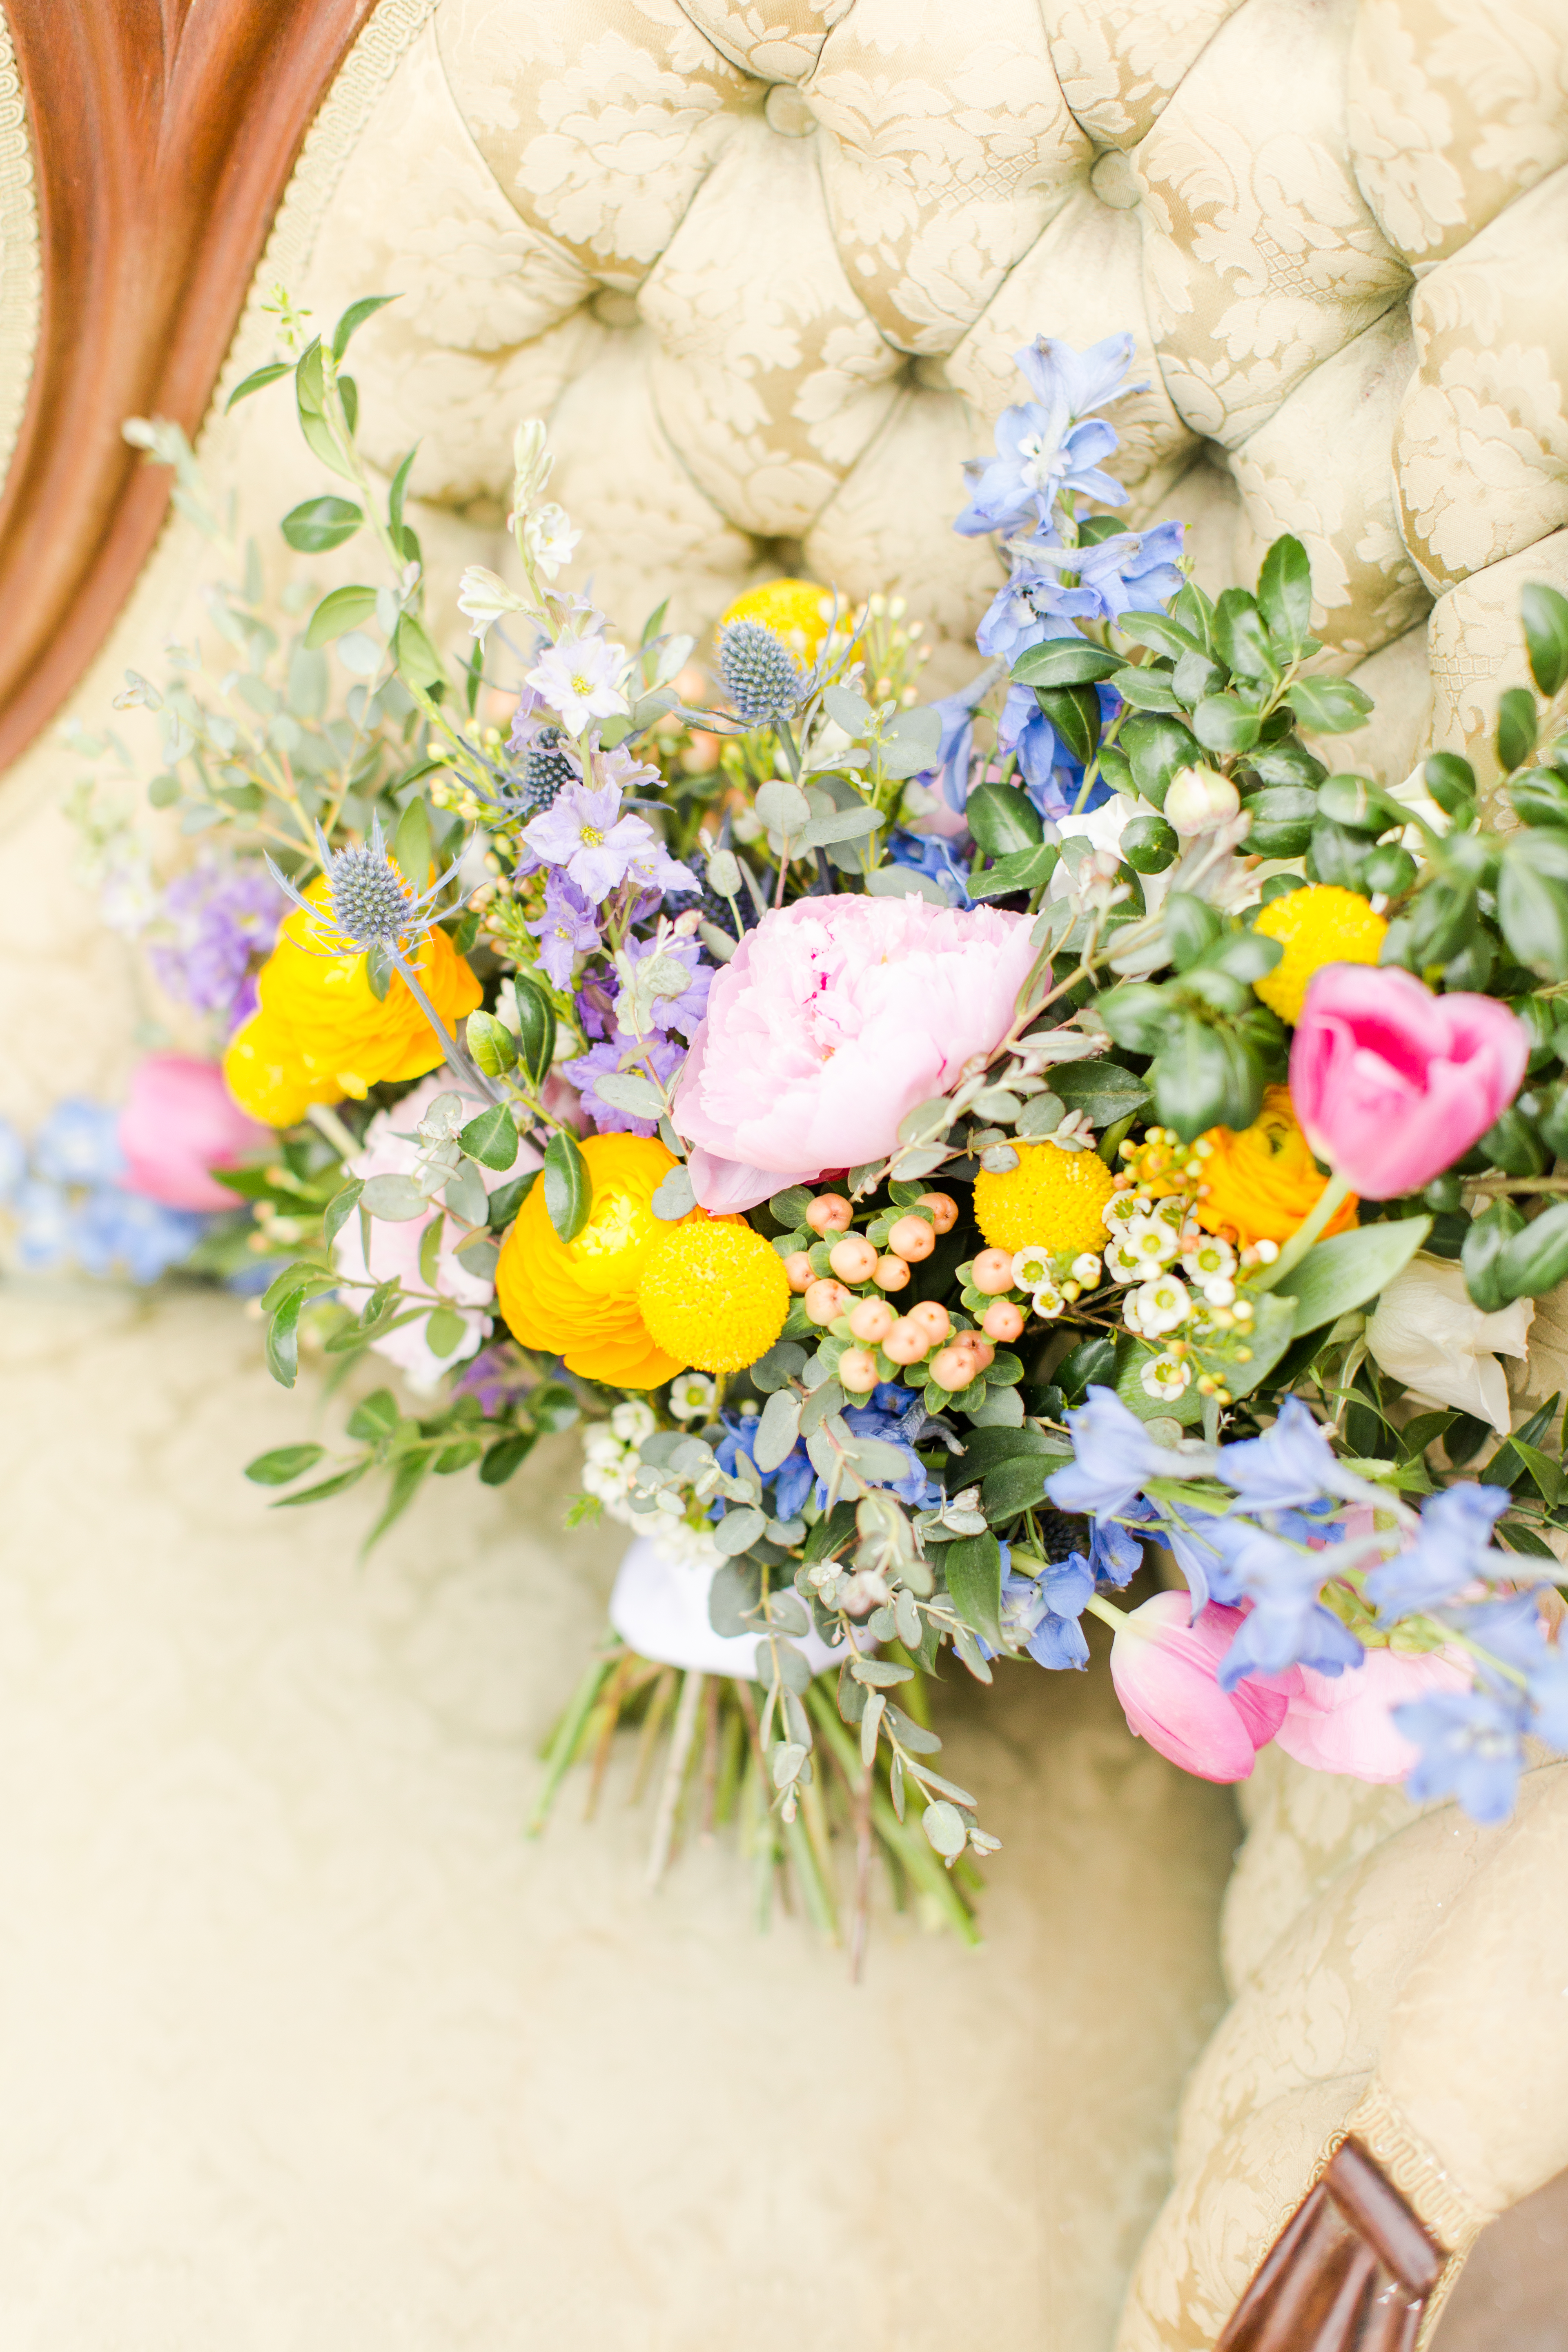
{"x": 582, "y": 683}
{"x": 617, "y": 1222}
{"x": 592, "y": 836}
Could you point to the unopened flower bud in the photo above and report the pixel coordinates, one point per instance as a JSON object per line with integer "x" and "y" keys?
{"x": 1199, "y": 798}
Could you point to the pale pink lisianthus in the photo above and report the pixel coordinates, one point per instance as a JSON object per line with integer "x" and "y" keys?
{"x": 180, "y": 1122}
{"x": 1166, "y": 1664}
{"x": 1393, "y": 1084}
{"x": 832, "y": 1020}
{"x": 395, "y": 1245}
{"x": 1343, "y": 1723}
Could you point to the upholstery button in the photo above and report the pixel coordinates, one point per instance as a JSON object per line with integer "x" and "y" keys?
{"x": 787, "y": 112}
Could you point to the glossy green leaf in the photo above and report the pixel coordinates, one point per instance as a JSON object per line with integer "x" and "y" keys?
{"x": 354, "y": 317}
{"x": 257, "y": 382}
{"x": 1064, "y": 661}
{"x": 491, "y": 1138}
{"x": 1545, "y": 616}
{"x": 1024, "y": 869}
{"x": 1222, "y": 724}
{"x": 1329, "y": 706}
{"x": 1285, "y": 594}
{"x": 283, "y": 1341}
{"x": 1516, "y": 727}
{"x": 1103, "y": 1089}
{"x": 1001, "y": 818}
{"x": 568, "y": 1187}
{"x": 1351, "y": 1268}
{"x": 536, "y": 1028}
{"x": 342, "y": 609}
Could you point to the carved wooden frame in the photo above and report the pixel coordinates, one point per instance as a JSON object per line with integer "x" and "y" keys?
{"x": 163, "y": 134}
{"x": 1351, "y": 2271}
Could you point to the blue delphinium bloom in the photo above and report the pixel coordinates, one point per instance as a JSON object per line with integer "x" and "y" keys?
{"x": 1043, "y": 1618}
{"x": 927, "y": 854}
{"x": 1113, "y": 1458}
{"x": 1052, "y": 442}
{"x": 1287, "y": 1625}
{"x": 1292, "y": 1466}
{"x": 1115, "y": 1554}
{"x": 1131, "y": 572}
{"x": 126, "y": 1230}
{"x": 956, "y": 745}
{"x": 78, "y": 1143}
{"x": 44, "y": 1223}
{"x": 1548, "y": 1700}
{"x": 1027, "y": 611}
{"x": 12, "y": 1160}
{"x": 1472, "y": 1748}
{"x": 1452, "y": 1549}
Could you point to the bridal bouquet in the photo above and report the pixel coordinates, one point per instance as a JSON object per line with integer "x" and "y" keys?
{"x": 944, "y": 1156}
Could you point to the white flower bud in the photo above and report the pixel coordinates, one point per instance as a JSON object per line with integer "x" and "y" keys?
{"x": 1199, "y": 798}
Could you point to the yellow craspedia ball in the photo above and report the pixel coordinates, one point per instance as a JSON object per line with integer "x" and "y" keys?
{"x": 798, "y": 609}
{"x": 1319, "y": 925}
{"x": 714, "y": 1296}
{"x": 1051, "y": 1201}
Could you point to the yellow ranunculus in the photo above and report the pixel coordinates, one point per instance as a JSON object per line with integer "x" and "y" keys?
{"x": 1261, "y": 1181}
{"x": 578, "y": 1299}
{"x": 322, "y": 1032}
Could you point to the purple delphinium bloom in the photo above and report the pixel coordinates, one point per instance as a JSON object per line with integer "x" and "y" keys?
{"x": 223, "y": 920}
{"x": 682, "y": 1012}
{"x": 582, "y": 831}
{"x": 1113, "y": 1458}
{"x": 662, "y": 1054}
{"x": 957, "y": 746}
{"x": 1472, "y": 1748}
{"x": 565, "y": 928}
{"x": 78, "y": 1143}
{"x": 1452, "y": 1549}
{"x": 494, "y": 1378}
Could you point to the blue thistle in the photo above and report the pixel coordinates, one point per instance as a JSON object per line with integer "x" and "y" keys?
{"x": 760, "y": 676}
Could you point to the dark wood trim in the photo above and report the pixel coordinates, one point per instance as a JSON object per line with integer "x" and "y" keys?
{"x": 1352, "y": 2270}
{"x": 163, "y": 134}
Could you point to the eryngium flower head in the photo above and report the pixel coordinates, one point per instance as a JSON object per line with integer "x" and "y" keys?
{"x": 372, "y": 903}
{"x": 760, "y": 674}
{"x": 546, "y": 766}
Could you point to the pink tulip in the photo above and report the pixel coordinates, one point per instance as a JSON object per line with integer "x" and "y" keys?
{"x": 832, "y": 1020}
{"x": 1164, "y": 1666}
{"x": 1342, "y": 1723}
{"x": 180, "y": 1122}
{"x": 1393, "y": 1084}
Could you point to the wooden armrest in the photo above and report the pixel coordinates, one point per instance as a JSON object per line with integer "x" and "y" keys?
{"x": 1353, "y": 2271}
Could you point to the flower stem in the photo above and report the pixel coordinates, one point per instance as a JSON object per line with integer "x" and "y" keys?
{"x": 1107, "y": 1611}
{"x": 457, "y": 1062}
{"x": 1334, "y": 1192}
{"x": 329, "y": 1125}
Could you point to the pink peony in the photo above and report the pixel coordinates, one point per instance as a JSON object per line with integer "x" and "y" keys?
{"x": 832, "y": 1020}
{"x": 180, "y": 1122}
{"x": 1342, "y": 1723}
{"x": 394, "y": 1246}
{"x": 1165, "y": 1665}
{"x": 1393, "y": 1084}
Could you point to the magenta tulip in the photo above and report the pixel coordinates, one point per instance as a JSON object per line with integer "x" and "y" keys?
{"x": 180, "y": 1122}
{"x": 1391, "y": 1084}
{"x": 1164, "y": 1665}
{"x": 1342, "y": 1722}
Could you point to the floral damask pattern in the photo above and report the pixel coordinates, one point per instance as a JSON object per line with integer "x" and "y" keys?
{"x": 819, "y": 229}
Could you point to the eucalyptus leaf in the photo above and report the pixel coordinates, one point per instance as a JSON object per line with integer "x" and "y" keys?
{"x": 393, "y": 1199}
{"x": 628, "y": 1090}
{"x": 778, "y": 1429}
{"x": 676, "y": 1196}
{"x": 737, "y": 1531}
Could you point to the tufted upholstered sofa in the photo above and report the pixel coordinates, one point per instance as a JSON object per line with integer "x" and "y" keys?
{"x": 763, "y": 266}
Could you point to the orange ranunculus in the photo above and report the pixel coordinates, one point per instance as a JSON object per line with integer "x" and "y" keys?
{"x": 322, "y": 1032}
{"x": 1261, "y": 1181}
{"x": 579, "y": 1299}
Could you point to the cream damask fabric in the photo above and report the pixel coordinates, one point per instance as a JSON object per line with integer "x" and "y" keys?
{"x": 765, "y": 268}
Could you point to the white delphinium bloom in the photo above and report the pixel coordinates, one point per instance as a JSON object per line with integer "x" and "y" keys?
{"x": 1206, "y": 1258}
{"x": 691, "y": 1396}
{"x": 1166, "y": 1376}
{"x": 1161, "y": 1305}
{"x": 550, "y": 538}
{"x": 484, "y": 597}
